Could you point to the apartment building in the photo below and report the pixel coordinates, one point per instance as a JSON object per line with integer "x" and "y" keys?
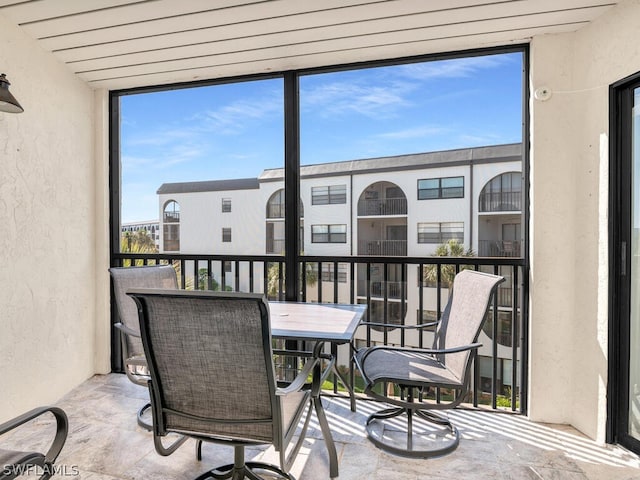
{"x": 404, "y": 206}
{"x": 401, "y": 205}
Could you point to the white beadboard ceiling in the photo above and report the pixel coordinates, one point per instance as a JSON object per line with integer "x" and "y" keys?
{"x": 116, "y": 44}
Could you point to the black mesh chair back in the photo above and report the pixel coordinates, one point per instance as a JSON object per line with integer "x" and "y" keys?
{"x": 126, "y": 278}
{"x": 212, "y": 373}
{"x": 463, "y": 318}
{"x": 133, "y": 359}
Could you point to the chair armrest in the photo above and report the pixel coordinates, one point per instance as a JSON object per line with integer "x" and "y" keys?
{"x": 62, "y": 428}
{"x": 126, "y": 330}
{"x": 137, "y": 361}
{"x": 301, "y": 379}
{"x": 444, "y": 351}
{"x": 428, "y": 351}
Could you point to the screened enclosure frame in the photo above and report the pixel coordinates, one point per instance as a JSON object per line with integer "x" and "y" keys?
{"x": 292, "y": 258}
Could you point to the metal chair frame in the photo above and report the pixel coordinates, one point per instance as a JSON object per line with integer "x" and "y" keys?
{"x": 240, "y": 468}
{"x": 407, "y": 404}
{"x": 21, "y": 462}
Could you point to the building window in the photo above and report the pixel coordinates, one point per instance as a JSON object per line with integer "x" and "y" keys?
{"x": 228, "y": 265}
{"x": 171, "y": 212}
{"x": 226, "y": 205}
{"x": 502, "y": 193}
{"x": 275, "y": 205}
{"x": 171, "y": 237}
{"x": 440, "y": 232}
{"x": 329, "y": 195}
{"x": 226, "y": 235}
{"x": 448, "y": 187}
{"x": 171, "y": 227}
{"x": 328, "y": 234}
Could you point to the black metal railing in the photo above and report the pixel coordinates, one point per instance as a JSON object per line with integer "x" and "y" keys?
{"x": 499, "y": 248}
{"x": 171, "y": 217}
{"x": 390, "y": 301}
{"x": 387, "y": 248}
{"x": 501, "y": 201}
{"x": 385, "y": 206}
{"x": 380, "y": 289}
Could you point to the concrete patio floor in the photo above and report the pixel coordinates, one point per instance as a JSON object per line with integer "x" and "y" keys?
{"x": 105, "y": 443}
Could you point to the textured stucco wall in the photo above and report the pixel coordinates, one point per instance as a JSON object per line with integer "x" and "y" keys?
{"x": 47, "y": 229}
{"x": 569, "y": 289}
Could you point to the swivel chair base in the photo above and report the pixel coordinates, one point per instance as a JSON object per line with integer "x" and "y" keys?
{"x": 240, "y": 469}
{"x": 433, "y": 437}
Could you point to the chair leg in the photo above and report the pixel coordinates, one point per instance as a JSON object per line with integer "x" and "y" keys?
{"x": 199, "y": 450}
{"x": 141, "y": 420}
{"x": 328, "y": 438}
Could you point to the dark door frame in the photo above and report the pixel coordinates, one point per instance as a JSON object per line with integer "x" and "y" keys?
{"x": 620, "y": 197}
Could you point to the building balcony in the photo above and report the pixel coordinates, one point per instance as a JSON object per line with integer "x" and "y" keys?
{"x": 385, "y": 206}
{"x": 106, "y": 443}
{"x": 500, "y": 202}
{"x": 171, "y": 217}
{"x": 391, "y": 248}
{"x": 499, "y": 248}
{"x": 378, "y": 290}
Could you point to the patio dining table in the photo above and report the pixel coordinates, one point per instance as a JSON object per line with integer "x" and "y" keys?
{"x": 319, "y": 323}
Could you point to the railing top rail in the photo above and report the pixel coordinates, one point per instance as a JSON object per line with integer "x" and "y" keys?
{"x": 192, "y": 256}
{"x": 427, "y": 260}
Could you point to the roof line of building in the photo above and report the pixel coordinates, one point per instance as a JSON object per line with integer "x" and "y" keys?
{"x": 459, "y": 163}
{"x": 403, "y": 155}
{"x": 210, "y": 186}
{"x": 414, "y": 161}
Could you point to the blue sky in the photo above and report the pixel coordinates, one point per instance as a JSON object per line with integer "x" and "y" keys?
{"x": 236, "y": 130}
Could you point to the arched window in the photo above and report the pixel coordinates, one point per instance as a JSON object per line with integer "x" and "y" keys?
{"x": 275, "y": 205}
{"x": 171, "y": 227}
{"x": 382, "y": 198}
{"x": 275, "y": 223}
{"x": 502, "y": 194}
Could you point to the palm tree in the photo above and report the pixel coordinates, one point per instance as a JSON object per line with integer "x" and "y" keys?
{"x": 138, "y": 242}
{"x": 447, "y": 271}
{"x": 273, "y": 277}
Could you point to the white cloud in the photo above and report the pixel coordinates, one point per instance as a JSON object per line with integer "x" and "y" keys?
{"x": 364, "y": 98}
{"x": 454, "y": 68}
{"x": 234, "y": 118}
{"x": 162, "y": 159}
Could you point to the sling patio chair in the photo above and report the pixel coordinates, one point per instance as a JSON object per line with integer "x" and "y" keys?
{"x": 15, "y": 463}
{"x": 213, "y": 379}
{"x": 446, "y": 365}
{"x": 133, "y": 359}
